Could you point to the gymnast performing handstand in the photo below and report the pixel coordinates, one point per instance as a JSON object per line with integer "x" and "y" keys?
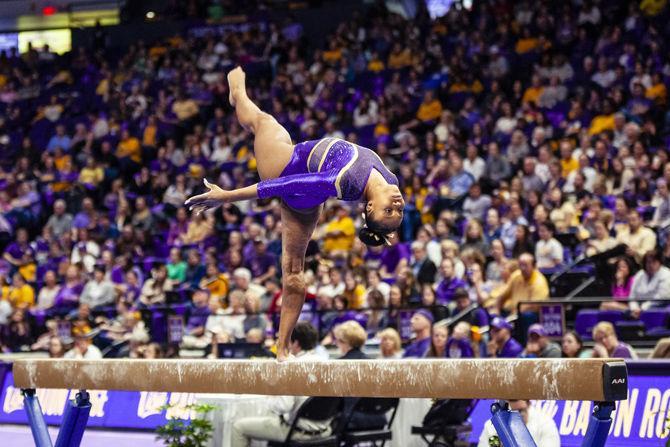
{"x": 304, "y": 176}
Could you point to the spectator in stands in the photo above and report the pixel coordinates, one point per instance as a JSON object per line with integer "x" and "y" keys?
{"x": 21, "y": 294}
{"x": 621, "y": 286}
{"x": 525, "y": 284}
{"x": 83, "y": 346}
{"x": 17, "y": 335}
{"x": 47, "y": 294}
{"x": 523, "y": 241}
{"x": 548, "y": 251}
{"x": 254, "y": 318}
{"x": 602, "y": 241}
{"x": 85, "y": 251}
{"x": 60, "y": 222}
{"x": 282, "y": 409}
{"x": 539, "y": 344}
{"x": 475, "y": 316}
{"x": 459, "y": 345}
{"x": 154, "y": 288}
{"x": 652, "y": 282}
{"x": 99, "y": 291}
{"x": 67, "y": 297}
{"x": 349, "y": 339}
{"x": 502, "y": 344}
{"x": 242, "y": 281}
{"x": 233, "y": 323}
{"x": 389, "y": 344}
{"x": 607, "y": 345}
{"x": 422, "y": 267}
{"x": 638, "y": 238}
{"x": 20, "y": 255}
{"x": 662, "y": 203}
{"x": 354, "y": 291}
{"x": 195, "y": 270}
{"x": 447, "y": 286}
{"x": 56, "y": 348}
{"x": 541, "y": 426}
{"x": 573, "y": 346}
{"x": 438, "y": 341}
{"x": 421, "y": 322}
{"x": 176, "y": 267}
{"x": 494, "y": 267}
{"x": 476, "y": 204}
{"x": 339, "y": 232}
{"x": 261, "y": 263}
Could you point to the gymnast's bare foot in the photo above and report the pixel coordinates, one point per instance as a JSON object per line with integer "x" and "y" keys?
{"x": 236, "y": 84}
{"x": 283, "y": 355}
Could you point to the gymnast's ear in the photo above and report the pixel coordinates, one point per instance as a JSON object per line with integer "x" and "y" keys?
{"x": 371, "y": 238}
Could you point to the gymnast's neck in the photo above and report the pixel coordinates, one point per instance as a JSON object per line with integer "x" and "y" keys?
{"x": 377, "y": 184}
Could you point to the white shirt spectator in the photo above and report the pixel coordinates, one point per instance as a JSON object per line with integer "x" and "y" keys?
{"x": 548, "y": 253}
{"x": 475, "y": 167}
{"x": 92, "y": 353}
{"x": 86, "y": 253}
{"x": 541, "y": 427}
{"x": 644, "y": 287}
{"x": 47, "y": 297}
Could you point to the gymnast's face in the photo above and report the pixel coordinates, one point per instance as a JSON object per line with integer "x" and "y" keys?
{"x": 386, "y": 209}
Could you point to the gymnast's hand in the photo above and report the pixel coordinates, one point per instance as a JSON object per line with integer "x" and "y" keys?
{"x": 212, "y": 199}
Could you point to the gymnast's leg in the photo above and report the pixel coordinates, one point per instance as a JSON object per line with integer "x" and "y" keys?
{"x": 297, "y": 229}
{"x": 272, "y": 143}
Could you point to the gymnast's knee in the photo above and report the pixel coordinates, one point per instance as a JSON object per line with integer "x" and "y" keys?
{"x": 294, "y": 284}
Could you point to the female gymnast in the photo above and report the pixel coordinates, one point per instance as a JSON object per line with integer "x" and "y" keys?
{"x": 304, "y": 176}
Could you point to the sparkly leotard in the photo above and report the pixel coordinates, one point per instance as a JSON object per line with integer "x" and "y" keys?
{"x": 324, "y": 168}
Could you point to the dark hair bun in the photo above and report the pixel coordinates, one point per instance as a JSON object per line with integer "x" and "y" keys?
{"x": 371, "y": 238}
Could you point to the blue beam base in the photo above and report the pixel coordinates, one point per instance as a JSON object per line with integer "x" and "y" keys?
{"x": 599, "y": 425}
{"x": 511, "y": 430}
{"x": 74, "y": 421}
{"x": 38, "y": 426}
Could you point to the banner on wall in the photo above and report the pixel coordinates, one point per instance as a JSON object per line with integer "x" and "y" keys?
{"x": 109, "y": 409}
{"x": 640, "y": 421}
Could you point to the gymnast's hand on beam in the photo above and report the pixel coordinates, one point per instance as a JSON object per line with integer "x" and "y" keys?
{"x": 212, "y": 199}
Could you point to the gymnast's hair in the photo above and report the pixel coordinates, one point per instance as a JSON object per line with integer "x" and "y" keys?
{"x": 374, "y": 234}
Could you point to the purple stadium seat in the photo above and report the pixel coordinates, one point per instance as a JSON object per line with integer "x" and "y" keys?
{"x": 656, "y": 321}
{"x": 584, "y": 322}
{"x": 613, "y": 316}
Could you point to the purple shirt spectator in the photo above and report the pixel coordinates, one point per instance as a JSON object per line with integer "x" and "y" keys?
{"x": 458, "y": 349}
{"x": 446, "y": 288}
{"x": 510, "y": 349}
{"x": 417, "y": 349}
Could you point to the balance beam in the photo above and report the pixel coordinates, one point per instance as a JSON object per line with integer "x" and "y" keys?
{"x": 554, "y": 379}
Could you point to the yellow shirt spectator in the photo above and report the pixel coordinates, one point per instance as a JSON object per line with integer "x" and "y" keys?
{"x": 375, "y": 65}
{"x": 185, "y": 109}
{"x": 532, "y": 94}
{"x": 525, "y": 45}
{"x": 332, "y": 56}
{"x": 91, "y": 175}
{"x": 129, "y": 146}
{"x": 430, "y": 109}
{"x": 657, "y": 93}
{"x": 601, "y": 123}
{"x": 400, "y": 59}
{"x": 517, "y": 289}
{"x": 355, "y": 297}
{"x": 22, "y": 297}
{"x": 567, "y": 166}
{"x": 149, "y": 135}
{"x": 340, "y": 233}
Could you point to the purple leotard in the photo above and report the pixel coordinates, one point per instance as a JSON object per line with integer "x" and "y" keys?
{"x": 324, "y": 168}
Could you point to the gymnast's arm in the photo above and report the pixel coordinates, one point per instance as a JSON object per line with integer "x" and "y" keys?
{"x": 319, "y": 184}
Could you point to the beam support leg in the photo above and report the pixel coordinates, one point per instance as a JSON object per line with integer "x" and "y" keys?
{"x": 38, "y": 426}
{"x": 511, "y": 430}
{"x": 599, "y": 425}
{"x": 74, "y": 421}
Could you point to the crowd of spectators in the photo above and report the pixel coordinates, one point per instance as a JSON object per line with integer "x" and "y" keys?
{"x": 509, "y": 126}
